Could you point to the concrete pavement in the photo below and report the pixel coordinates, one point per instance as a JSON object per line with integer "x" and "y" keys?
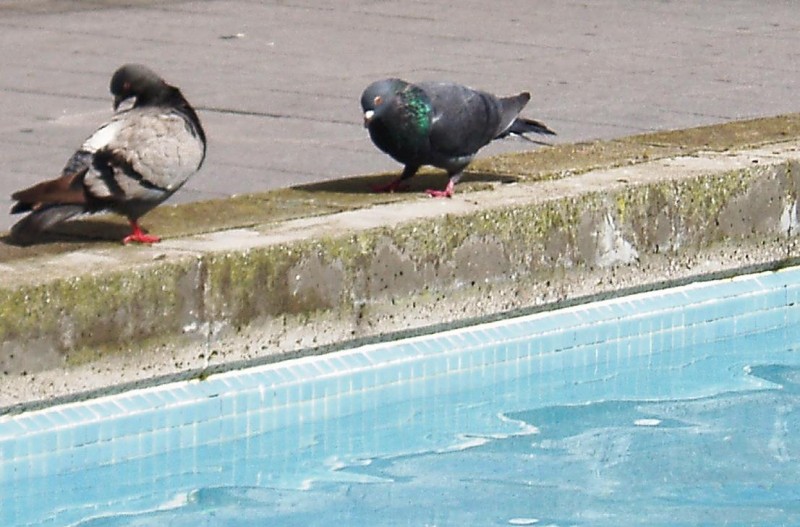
{"x": 277, "y": 83}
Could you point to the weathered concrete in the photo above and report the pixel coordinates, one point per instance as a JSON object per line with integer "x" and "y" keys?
{"x": 83, "y": 316}
{"x": 277, "y": 82}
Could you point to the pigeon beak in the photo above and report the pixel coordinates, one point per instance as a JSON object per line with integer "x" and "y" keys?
{"x": 126, "y": 102}
{"x": 368, "y": 115}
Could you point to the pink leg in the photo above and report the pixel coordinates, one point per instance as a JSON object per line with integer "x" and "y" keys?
{"x": 446, "y": 193}
{"x": 396, "y": 185}
{"x": 138, "y": 236}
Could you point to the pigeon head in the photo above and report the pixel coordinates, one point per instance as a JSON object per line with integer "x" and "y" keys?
{"x": 139, "y": 82}
{"x": 375, "y": 98}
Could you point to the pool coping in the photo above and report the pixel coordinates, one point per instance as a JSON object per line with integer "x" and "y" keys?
{"x": 106, "y": 317}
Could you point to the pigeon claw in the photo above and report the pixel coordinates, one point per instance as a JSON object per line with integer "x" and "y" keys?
{"x": 139, "y": 236}
{"x": 447, "y": 193}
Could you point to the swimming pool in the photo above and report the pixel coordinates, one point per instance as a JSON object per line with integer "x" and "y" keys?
{"x": 664, "y": 408}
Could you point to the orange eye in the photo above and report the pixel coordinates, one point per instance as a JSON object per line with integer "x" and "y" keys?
{"x": 377, "y": 101}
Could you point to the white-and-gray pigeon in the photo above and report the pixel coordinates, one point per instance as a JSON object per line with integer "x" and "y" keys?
{"x": 439, "y": 123}
{"x": 129, "y": 165}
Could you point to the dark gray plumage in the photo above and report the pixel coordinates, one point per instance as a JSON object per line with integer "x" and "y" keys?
{"x": 439, "y": 123}
{"x": 129, "y": 165}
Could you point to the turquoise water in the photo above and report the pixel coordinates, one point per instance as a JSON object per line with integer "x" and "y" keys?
{"x": 668, "y": 408}
{"x": 722, "y": 451}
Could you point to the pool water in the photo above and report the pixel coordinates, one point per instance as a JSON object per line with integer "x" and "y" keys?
{"x": 731, "y": 458}
{"x": 669, "y": 408}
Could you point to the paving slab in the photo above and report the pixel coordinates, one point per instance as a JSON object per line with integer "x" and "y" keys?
{"x": 277, "y": 83}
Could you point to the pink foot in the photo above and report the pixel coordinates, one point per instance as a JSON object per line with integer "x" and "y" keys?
{"x": 446, "y": 193}
{"x": 138, "y": 236}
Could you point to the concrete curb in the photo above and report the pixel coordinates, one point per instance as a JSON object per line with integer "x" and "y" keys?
{"x": 99, "y": 316}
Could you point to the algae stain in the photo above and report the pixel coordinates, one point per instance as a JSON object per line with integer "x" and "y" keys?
{"x": 91, "y": 311}
{"x": 622, "y": 200}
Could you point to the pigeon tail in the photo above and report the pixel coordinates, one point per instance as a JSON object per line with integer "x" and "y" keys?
{"x": 522, "y": 125}
{"x": 42, "y": 219}
{"x": 513, "y": 124}
{"x": 59, "y": 191}
{"x": 509, "y": 108}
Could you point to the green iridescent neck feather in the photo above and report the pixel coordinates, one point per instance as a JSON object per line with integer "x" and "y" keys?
{"x": 416, "y": 119}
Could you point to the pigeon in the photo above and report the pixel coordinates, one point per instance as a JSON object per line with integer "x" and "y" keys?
{"x": 131, "y": 164}
{"x": 441, "y": 124}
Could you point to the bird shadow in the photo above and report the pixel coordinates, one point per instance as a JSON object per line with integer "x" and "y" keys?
{"x": 88, "y": 231}
{"x": 72, "y": 232}
{"x": 416, "y": 184}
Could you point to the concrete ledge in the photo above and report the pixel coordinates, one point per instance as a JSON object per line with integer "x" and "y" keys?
{"x": 260, "y": 277}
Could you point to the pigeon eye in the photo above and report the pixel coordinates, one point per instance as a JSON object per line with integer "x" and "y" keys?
{"x": 377, "y": 101}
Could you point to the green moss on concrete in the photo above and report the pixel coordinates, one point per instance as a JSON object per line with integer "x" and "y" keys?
{"x": 248, "y": 210}
{"x": 670, "y": 214}
{"x": 532, "y": 238}
{"x": 355, "y": 192}
{"x": 242, "y": 287}
{"x": 245, "y": 286}
{"x": 97, "y": 312}
{"x": 107, "y": 311}
{"x": 173, "y": 221}
{"x": 727, "y": 136}
{"x": 136, "y": 348}
{"x": 566, "y": 160}
{"x": 570, "y": 159}
{"x": 93, "y": 315}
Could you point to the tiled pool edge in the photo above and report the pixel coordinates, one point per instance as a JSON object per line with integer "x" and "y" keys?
{"x": 222, "y": 406}
{"x": 216, "y": 369}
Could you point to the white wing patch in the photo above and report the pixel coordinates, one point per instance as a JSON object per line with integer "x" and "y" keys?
{"x": 103, "y": 136}
{"x": 156, "y": 144}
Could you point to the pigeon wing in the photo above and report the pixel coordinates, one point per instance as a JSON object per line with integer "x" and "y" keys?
{"x": 152, "y": 154}
{"x": 464, "y": 120}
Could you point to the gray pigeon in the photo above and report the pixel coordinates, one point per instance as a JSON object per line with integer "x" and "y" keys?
{"x": 129, "y": 165}
{"x": 439, "y": 123}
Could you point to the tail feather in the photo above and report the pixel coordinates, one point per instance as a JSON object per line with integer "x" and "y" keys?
{"x": 43, "y": 219}
{"x": 48, "y": 204}
{"x": 513, "y": 105}
{"x": 63, "y": 190}
{"x": 509, "y": 111}
{"x": 512, "y": 124}
{"x": 522, "y": 126}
